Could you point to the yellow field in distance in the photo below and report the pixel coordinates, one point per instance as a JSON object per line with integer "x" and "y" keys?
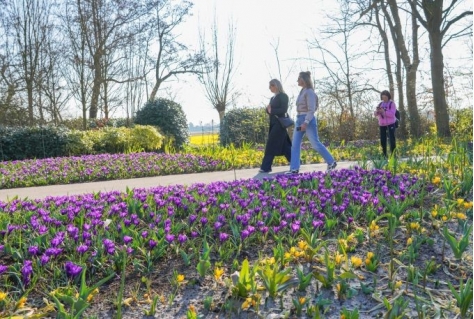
{"x": 204, "y": 139}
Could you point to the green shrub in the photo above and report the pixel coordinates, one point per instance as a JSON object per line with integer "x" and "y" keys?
{"x": 168, "y": 116}
{"x": 32, "y": 142}
{"x": 461, "y": 123}
{"x": 244, "y": 125}
{"x": 145, "y": 138}
{"x": 79, "y": 143}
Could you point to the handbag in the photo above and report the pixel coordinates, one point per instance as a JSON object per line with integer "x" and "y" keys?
{"x": 286, "y": 121}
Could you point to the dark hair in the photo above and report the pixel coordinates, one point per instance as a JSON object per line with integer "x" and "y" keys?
{"x": 306, "y": 76}
{"x": 387, "y": 94}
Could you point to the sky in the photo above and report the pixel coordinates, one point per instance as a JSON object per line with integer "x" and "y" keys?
{"x": 260, "y": 26}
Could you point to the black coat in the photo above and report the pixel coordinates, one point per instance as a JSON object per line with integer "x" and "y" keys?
{"x": 278, "y": 138}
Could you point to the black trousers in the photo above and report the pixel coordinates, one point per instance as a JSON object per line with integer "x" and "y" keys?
{"x": 268, "y": 158}
{"x": 391, "y": 136}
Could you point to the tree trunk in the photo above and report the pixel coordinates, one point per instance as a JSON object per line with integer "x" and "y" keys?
{"x": 415, "y": 127}
{"x": 402, "y": 131}
{"x": 155, "y": 90}
{"x": 95, "y": 88}
{"x": 437, "y": 81}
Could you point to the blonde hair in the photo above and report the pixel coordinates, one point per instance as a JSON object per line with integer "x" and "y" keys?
{"x": 277, "y": 84}
{"x": 306, "y": 77}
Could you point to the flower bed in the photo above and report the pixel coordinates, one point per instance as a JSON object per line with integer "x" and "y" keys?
{"x": 48, "y": 243}
{"x": 89, "y": 168}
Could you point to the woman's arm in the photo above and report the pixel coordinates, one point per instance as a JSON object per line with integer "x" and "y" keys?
{"x": 390, "y": 111}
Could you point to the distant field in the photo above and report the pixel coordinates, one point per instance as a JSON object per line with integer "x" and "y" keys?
{"x": 204, "y": 139}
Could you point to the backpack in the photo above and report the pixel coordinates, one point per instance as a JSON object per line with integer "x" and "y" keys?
{"x": 398, "y": 119}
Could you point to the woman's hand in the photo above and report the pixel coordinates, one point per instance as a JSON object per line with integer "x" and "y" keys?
{"x": 269, "y": 108}
{"x": 303, "y": 127}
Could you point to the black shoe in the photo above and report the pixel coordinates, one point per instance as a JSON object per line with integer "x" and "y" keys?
{"x": 292, "y": 172}
{"x": 263, "y": 171}
{"x": 332, "y": 166}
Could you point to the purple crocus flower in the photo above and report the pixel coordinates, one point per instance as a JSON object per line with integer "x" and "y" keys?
{"x": 44, "y": 260}
{"x": 81, "y": 249}
{"x": 26, "y": 272}
{"x": 192, "y": 218}
{"x": 223, "y": 237}
{"x": 3, "y": 269}
{"x": 144, "y": 234}
{"x": 127, "y": 239}
{"x": 33, "y": 250}
{"x": 169, "y": 238}
{"x": 182, "y": 238}
{"x": 72, "y": 270}
{"x": 151, "y": 243}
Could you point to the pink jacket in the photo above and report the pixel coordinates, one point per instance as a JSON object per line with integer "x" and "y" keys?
{"x": 388, "y": 115}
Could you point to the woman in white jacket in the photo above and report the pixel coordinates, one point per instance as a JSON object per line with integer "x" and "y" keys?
{"x": 306, "y": 122}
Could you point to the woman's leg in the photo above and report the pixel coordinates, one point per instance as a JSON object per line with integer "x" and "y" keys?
{"x": 383, "y": 139}
{"x": 296, "y": 144}
{"x": 267, "y": 162}
{"x": 312, "y": 130}
{"x": 391, "y": 136}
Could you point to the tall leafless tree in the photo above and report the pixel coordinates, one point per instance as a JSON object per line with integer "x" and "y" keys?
{"x": 217, "y": 76}
{"x": 437, "y": 20}
{"x": 173, "y": 57}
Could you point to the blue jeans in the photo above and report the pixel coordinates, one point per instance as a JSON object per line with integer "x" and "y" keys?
{"x": 312, "y": 131}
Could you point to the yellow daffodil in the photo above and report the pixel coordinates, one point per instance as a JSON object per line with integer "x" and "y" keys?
{"x": 415, "y": 225}
{"x": 436, "y": 180}
{"x": 461, "y": 216}
{"x": 434, "y": 213}
{"x": 3, "y": 296}
{"x": 460, "y": 201}
{"x": 356, "y": 261}
{"x": 373, "y": 228}
{"x": 398, "y": 284}
{"x": 180, "y": 278}
{"x": 370, "y": 255}
{"x": 339, "y": 258}
{"x": 127, "y": 302}
{"x": 287, "y": 255}
{"x": 192, "y": 309}
{"x": 302, "y": 300}
{"x": 342, "y": 316}
{"x": 467, "y": 205}
{"x": 338, "y": 287}
{"x": 444, "y": 218}
{"x": 292, "y": 250}
{"x": 409, "y": 241}
{"x": 92, "y": 294}
{"x": 343, "y": 243}
{"x": 302, "y": 245}
{"x": 21, "y": 302}
{"x": 247, "y": 303}
{"x": 218, "y": 272}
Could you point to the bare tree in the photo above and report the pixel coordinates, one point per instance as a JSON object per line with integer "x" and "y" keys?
{"x": 338, "y": 53}
{"x": 104, "y": 26}
{"x": 217, "y": 76}
{"x": 173, "y": 57}
{"x": 437, "y": 20}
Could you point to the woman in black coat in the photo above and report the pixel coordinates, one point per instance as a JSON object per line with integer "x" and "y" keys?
{"x": 278, "y": 142}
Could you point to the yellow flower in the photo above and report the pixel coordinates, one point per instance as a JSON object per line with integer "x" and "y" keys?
{"x": 3, "y": 296}
{"x": 398, "y": 284}
{"x": 302, "y": 300}
{"x": 92, "y": 294}
{"x": 342, "y": 316}
{"x": 343, "y": 243}
{"x": 467, "y": 205}
{"x": 436, "y": 180}
{"x": 218, "y": 272}
{"x": 338, "y": 287}
{"x": 356, "y": 261}
{"x": 247, "y": 303}
{"x": 367, "y": 261}
{"x": 339, "y": 258}
{"x": 271, "y": 261}
{"x": 192, "y": 309}
{"x": 415, "y": 225}
{"x": 444, "y": 218}
{"x": 409, "y": 241}
{"x": 461, "y": 216}
{"x": 180, "y": 278}
{"x": 370, "y": 255}
{"x": 302, "y": 245}
{"x": 21, "y": 302}
{"x": 351, "y": 238}
{"x": 460, "y": 201}
{"x": 292, "y": 250}
{"x": 373, "y": 228}
{"x": 287, "y": 255}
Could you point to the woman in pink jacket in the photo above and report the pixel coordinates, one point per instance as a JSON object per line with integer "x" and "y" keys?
{"x": 386, "y": 114}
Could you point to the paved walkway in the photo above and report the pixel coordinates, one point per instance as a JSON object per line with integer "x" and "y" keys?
{"x": 146, "y": 182}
